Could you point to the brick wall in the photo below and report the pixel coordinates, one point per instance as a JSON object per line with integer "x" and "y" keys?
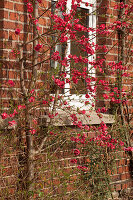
{"x": 13, "y": 14}
{"x": 107, "y": 15}
{"x": 55, "y": 175}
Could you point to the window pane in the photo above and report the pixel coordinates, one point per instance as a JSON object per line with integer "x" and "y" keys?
{"x": 77, "y": 49}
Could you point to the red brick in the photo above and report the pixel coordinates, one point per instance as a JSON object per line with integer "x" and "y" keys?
{"x": 13, "y": 16}
{"x": 124, "y": 186}
{"x": 12, "y": 190}
{"x": 4, "y": 94}
{"x": 18, "y": 7}
{"x": 4, "y": 34}
{"x": 123, "y": 177}
{"x": 109, "y": 11}
{"x": 114, "y": 50}
{"x": 12, "y": 75}
{"x": 102, "y": 19}
{"x": 22, "y": 17}
{"x": 129, "y": 184}
{"x": 4, "y": 73}
{"x": 8, "y": 5}
{"x": 115, "y": 178}
{"x": 13, "y": 36}
{"x": 120, "y": 170}
{"x": 111, "y": 57}
{"x": 7, "y": 171}
{"x": 113, "y": 19}
{"x": 115, "y": 12}
{"x": 9, "y": 25}
{"x": 128, "y": 175}
{"x": 42, "y": 21}
{"x": 1, "y": 3}
{"x": 5, "y": 14}
{"x": 21, "y": 36}
{"x": 118, "y": 187}
{"x": 1, "y": 15}
{"x": 112, "y": 4}
{"x": 121, "y": 162}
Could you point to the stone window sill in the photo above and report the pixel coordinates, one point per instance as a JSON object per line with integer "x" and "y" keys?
{"x": 64, "y": 119}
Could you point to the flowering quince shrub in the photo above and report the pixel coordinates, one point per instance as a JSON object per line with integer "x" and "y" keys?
{"x": 70, "y": 152}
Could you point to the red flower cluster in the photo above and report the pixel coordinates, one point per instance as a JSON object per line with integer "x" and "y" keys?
{"x": 38, "y": 47}
{"x": 32, "y": 131}
{"x": 60, "y": 83}
{"x": 4, "y": 115}
{"x": 31, "y": 99}
{"x": 76, "y": 152}
{"x": 29, "y": 7}
{"x": 11, "y": 83}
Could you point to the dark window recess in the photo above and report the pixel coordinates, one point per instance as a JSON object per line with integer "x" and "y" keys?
{"x": 77, "y": 49}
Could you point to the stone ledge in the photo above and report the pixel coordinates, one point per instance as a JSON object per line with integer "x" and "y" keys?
{"x": 63, "y": 118}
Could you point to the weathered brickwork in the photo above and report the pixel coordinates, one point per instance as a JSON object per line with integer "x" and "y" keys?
{"x": 107, "y": 15}
{"x": 13, "y": 14}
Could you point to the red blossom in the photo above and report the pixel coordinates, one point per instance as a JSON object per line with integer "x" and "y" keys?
{"x": 116, "y": 7}
{"x": 76, "y": 152}
{"x": 15, "y": 112}
{"x": 60, "y": 83}
{"x": 21, "y": 107}
{"x": 17, "y": 31}
{"x": 83, "y": 168}
{"x": 65, "y": 102}
{"x": 45, "y": 102}
{"x": 32, "y": 131}
{"x": 11, "y": 123}
{"x": 51, "y": 133}
{"x": 128, "y": 149}
{"x": 30, "y": 7}
{"x": 38, "y": 47}
{"x": 56, "y": 56}
{"x": 86, "y": 4}
{"x": 73, "y": 161}
{"x": 105, "y": 96}
{"x": 51, "y": 116}
{"x": 32, "y": 91}
{"x": 75, "y": 139}
{"x": 31, "y": 99}
{"x": 11, "y": 83}
{"x": 87, "y": 96}
{"x": 121, "y": 143}
{"x": 73, "y": 116}
{"x": 4, "y": 115}
{"x": 51, "y": 99}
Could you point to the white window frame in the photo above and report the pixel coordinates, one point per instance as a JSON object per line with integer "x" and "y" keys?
{"x": 74, "y": 100}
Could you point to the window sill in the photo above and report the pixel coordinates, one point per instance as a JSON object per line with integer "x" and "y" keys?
{"x": 64, "y": 119}
{"x": 90, "y": 118}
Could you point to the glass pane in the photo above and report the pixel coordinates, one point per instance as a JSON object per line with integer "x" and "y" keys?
{"x": 77, "y": 49}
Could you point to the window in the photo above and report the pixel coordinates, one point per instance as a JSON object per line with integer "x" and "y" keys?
{"x": 75, "y": 93}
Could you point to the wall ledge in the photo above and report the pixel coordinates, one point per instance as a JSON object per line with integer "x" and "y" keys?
{"x": 90, "y": 118}
{"x": 63, "y": 119}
